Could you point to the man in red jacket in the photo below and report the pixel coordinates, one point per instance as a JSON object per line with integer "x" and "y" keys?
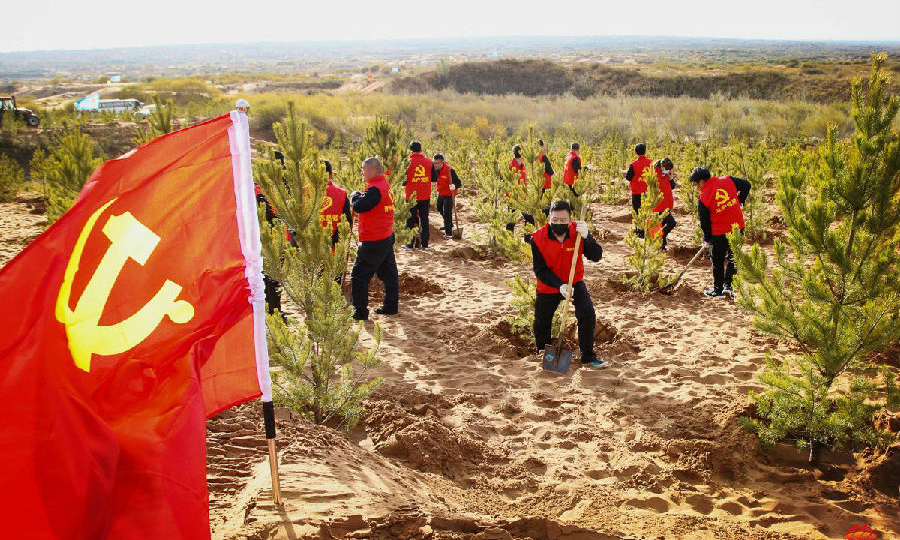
{"x": 552, "y": 250}
{"x": 635, "y": 175}
{"x": 572, "y": 168}
{"x": 375, "y": 255}
{"x": 334, "y": 205}
{"x": 418, "y": 184}
{"x": 663, "y": 170}
{"x": 447, "y": 185}
{"x": 719, "y": 208}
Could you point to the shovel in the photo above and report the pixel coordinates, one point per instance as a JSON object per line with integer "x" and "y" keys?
{"x": 457, "y": 232}
{"x": 555, "y": 357}
{"x": 671, "y": 286}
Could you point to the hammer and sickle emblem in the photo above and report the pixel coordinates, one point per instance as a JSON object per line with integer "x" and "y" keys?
{"x": 327, "y": 201}
{"x": 721, "y": 197}
{"x": 130, "y": 239}
{"x": 420, "y": 172}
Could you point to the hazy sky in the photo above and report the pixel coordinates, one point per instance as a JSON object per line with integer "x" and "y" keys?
{"x": 69, "y": 24}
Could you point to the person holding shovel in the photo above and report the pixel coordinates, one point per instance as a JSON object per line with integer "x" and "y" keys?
{"x": 447, "y": 184}
{"x": 334, "y": 205}
{"x": 553, "y": 252}
{"x": 719, "y": 206}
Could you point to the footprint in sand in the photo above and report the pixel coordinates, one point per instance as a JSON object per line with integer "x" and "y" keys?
{"x": 654, "y": 504}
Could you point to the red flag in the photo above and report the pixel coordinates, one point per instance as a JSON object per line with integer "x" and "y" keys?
{"x": 125, "y": 325}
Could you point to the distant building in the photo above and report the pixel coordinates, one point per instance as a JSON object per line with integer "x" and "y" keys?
{"x": 93, "y": 103}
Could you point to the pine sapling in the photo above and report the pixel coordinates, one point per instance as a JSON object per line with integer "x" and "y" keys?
{"x": 647, "y": 259}
{"x": 323, "y": 365}
{"x": 833, "y": 287}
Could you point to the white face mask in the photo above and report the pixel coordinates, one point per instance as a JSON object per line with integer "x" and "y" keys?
{"x": 666, "y": 172}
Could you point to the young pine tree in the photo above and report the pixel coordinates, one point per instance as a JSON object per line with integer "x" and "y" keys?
{"x": 647, "y": 258}
{"x": 65, "y": 169}
{"x": 12, "y": 177}
{"x": 495, "y": 183}
{"x": 613, "y": 158}
{"x": 322, "y": 363}
{"x": 159, "y": 122}
{"x": 388, "y": 141}
{"x": 833, "y": 288}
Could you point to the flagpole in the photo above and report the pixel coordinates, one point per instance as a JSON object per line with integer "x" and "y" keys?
{"x": 269, "y": 420}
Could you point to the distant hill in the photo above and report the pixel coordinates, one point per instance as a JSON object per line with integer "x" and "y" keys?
{"x": 539, "y": 77}
{"x": 415, "y": 54}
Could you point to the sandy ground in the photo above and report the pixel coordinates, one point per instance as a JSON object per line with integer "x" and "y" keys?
{"x": 470, "y": 438}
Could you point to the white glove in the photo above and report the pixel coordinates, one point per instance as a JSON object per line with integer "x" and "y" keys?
{"x": 564, "y": 289}
{"x": 581, "y": 228}
{"x": 452, "y": 187}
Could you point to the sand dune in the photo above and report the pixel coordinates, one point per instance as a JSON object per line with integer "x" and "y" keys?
{"x": 470, "y": 438}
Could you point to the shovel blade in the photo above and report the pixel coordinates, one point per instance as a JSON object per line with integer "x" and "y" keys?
{"x": 556, "y": 362}
{"x": 457, "y": 234}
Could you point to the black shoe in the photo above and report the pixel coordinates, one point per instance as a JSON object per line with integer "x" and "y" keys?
{"x": 407, "y": 246}
{"x": 714, "y": 293}
{"x": 383, "y": 311}
{"x": 448, "y": 237}
{"x": 728, "y": 291}
{"x": 360, "y": 316}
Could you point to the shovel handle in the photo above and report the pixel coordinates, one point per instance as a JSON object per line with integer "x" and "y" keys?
{"x": 565, "y": 313}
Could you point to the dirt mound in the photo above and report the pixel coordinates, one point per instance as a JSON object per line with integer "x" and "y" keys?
{"x": 469, "y": 253}
{"x": 502, "y": 337}
{"x": 682, "y": 254}
{"x": 416, "y": 435}
{"x": 606, "y": 235}
{"x": 411, "y": 286}
{"x": 621, "y": 218}
{"x": 607, "y": 340}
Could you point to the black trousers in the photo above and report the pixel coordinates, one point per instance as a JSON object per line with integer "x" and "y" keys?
{"x": 545, "y": 306}
{"x": 635, "y": 202}
{"x": 668, "y": 223}
{"x": 273, "y": 294}
{"x": 445, "y": 209}
{"x": 375, "y": 258}
{"x": 418, "y": 215}
{"x": 572, "y": 189}
{"x": 528, "y": 219}
{"x": 722, "y": 262}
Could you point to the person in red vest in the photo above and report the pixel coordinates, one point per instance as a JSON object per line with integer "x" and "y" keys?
{"x": 418, "y": 183}
{"x": 719, "y": 208}
{"x": 572, "y": 168}
{"x": 447, "y": 185}
{"x": 635, "y": 175}
{"x": 552, "y": 250}
{"x": 548, "y": 168}
{"x": 664, "y": 173}
{"x": 375, "y": 255}
{"x": 517, "y": 163}
{"x": 334, "y": 204}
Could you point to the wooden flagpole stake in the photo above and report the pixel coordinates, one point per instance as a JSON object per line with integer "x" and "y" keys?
{"x": 273, "y": 467}
{"x": 269, "y": 421}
